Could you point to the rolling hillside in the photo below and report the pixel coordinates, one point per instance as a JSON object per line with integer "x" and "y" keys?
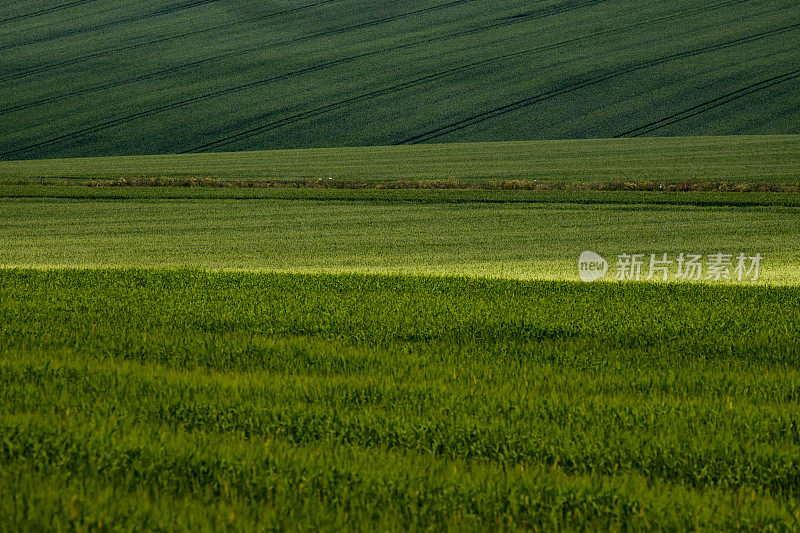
{"x": 106, "y": 77}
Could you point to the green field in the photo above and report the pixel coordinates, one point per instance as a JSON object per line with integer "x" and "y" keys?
{"x": 357, "y": 210}
{"x": 290, "y": 266}
{"x": 109, "y": 77}
{"x": 760, "y": 160}
{"x": 493, "y": 234}
{"x": 149, "y": 399}
{"x": 359, "y": 356}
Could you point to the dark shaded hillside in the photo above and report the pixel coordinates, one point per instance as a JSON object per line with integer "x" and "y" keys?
{"x": 103, "y": 77}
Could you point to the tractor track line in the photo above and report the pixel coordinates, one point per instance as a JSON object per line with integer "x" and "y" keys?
{"x": 369, "y": 23}
{"x": 182, "y": 103}
{"x": 711, "y": 104}
{"x": 571, "y": 87}
{"x": 142, "y": 77}
{"x": 245, "y": 51}
{"x": 436, "y": 76}
{"x": 110, "y": 24}
{"x": 330, "y": 107}
{"x": 45, "y": 11}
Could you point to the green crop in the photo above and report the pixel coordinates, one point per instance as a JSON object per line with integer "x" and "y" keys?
{"x": 109, "y": 77}
{"x": 530, "y": 235}
{"x": 297, "y": 400}
{"x": 734, "y": 161}
{"x": 313, "y": 265}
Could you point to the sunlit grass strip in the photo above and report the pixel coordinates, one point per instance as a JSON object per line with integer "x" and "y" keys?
{"x": 501, "y": 234}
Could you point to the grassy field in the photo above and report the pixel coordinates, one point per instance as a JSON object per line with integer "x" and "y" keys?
{"x": 108, "y": 77}
{"x": 760, "y": 160}
{"x": 289, "y": 266}
{"x": 162, "y": 399}
{"x": 420, "y": 232}
{"x": 364, "y": 354}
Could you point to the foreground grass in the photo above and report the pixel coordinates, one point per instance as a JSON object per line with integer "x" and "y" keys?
{"x": 525, "y": 235}
{"x": 738, "y": 160}
{"x": 160, "y": 399}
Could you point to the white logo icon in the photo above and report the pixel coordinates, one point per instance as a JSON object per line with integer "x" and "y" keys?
{"x": 591, "y": 266}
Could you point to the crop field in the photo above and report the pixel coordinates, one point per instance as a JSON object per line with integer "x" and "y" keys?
{"x": 421, "y": 265}
{"x": 340, "y": 220}
{"x": 411, "y": 232}
{"x": 111, "y": 77}
{"x": 762, "y": 160}
{"x": 289, "y": 357}
{"x": 181, "y": 398}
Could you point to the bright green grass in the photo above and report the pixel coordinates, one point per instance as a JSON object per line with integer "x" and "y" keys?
{"x": 474, "y": 233}
{"x": 182, "y": 399}
{"x": 735, "y": 159}
{"x": 186, "y": 399}
{"x": 110, "y": 77}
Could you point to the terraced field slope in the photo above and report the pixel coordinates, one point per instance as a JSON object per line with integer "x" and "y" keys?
{"x": 107, "y": 77}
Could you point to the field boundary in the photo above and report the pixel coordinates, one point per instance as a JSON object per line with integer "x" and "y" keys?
{"x": 633, "y": 198}
{"x": 502, "y": 185}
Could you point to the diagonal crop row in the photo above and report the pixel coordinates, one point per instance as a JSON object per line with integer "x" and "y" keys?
{"x": 46, "y": 11}
{"x": 237, "y": 53}
{"x": 708, "y": 105}
{"x": 586, "y": 82}
{"x": 96, "y": 27}
{"x": 457, "y": 70}
{"x": 103, "y": 53}
{"x": 246, "y": 51}
{"x": 142, "y": 77}
{"x": 436, "y": 76}
{"x": 182, "y": 103}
